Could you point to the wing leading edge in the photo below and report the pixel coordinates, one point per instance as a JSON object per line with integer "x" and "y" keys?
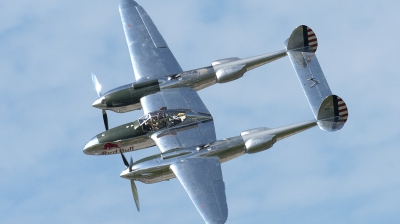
{"x": 202, "y": 179}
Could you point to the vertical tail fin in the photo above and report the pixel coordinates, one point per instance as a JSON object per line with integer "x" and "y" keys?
{"x": 329, "y": 110}
{"x": 332, "y": 114}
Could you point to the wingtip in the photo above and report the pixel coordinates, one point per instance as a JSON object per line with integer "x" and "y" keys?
{"x": 127, "y": 3}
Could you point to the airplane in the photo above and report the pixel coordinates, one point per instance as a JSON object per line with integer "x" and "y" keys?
{"x": 177, "y": 121}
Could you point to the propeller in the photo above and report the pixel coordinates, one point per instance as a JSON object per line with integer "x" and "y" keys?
{"x": 133, "y": 185}
{"x": 125, "y": 161}
{"x": 135, "y": 194}
{"x": 97, "y": 86}
{"x": 105, "y": 119}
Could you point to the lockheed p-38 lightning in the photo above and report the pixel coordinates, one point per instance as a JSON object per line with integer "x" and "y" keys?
{"x": 177, "y": 121}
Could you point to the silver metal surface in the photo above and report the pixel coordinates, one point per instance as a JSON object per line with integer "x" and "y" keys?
{"x": 176, "y": 98}
{"x": 117, "y": 146}
{"x": 230, "y": 73}
{"x": 282, "y": 132}
{"x": 254, "y": 130}
{"x": 330, "y": 110}
{"x": 127, "y": 108}
{"x": 252, "y": 62}
{"x": 198, "y": 168}
{"x": 149, "y": 52}
{"x": 178, "y": 122}
{"x": 187, "y": 136}
{"x": 225, "y": 60}
{"x": 201, "y": 177}
{"x": 127, "y": 97}
{"x": 259, "y": 144}
{"x": 311, "y": 78}
{"x": 332, "y": 114}
{"x": 99, "y": 103}
{"x": 197, "y": 79}
{"x": 180, "y": 98}
{"x": 168, "y": 128}
{"x": 91, "y": 142}
{"x": 308, "y": 70}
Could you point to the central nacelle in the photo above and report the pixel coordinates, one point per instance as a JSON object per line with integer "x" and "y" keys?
{"x": 137, "y": 134}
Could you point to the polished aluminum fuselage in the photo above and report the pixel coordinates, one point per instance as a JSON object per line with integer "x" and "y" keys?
{"x": 137, "y": 135}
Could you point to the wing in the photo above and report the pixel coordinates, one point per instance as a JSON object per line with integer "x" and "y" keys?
{"x": 151, "y": 59}
{"x": 149, "y": 52}
{"x": 187, "y": 99}
{"x": 203, "y": 182}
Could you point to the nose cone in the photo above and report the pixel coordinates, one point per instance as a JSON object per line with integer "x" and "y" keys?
{"x": 100, "y": 103}
{"x": 126, "y": 174}
{"x": 92, "y": 142}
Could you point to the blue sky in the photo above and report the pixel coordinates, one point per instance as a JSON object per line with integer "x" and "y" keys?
{"x": 48, "y": 50}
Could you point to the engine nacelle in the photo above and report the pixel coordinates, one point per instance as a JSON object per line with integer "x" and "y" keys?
{"x": 127, "y": 97}
{"x": 230, "y": 73}
{"x": 258, "y": 144}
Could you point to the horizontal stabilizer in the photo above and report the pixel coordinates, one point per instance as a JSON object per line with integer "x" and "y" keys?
{"x": 301, "y": 47}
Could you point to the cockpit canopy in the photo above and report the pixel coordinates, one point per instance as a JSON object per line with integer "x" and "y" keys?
{"x": 161, "y": 119}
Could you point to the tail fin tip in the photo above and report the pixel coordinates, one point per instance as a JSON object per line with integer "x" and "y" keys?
{"x": 332, "y": 114}
{"x": 303, "y": 39}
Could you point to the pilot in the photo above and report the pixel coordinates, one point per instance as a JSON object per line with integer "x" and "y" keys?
{"x": 156, "y": 125}
{"x": 160, "y": 121}
{"x": 147, "y": 126}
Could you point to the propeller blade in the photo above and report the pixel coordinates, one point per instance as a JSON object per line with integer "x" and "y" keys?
{"x": 96, "y": 84}
{"x": 125, "y": 161}
{"x": 135, "y": 194}
{"x": 130, "y": 165}
{"x": 105, "y": 119}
